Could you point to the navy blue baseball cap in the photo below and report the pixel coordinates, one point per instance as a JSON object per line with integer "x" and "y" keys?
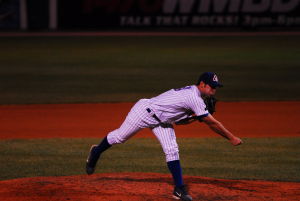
{"x": 211, "y": 79}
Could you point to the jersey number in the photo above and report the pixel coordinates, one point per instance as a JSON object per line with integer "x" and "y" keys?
{"x": 182, "y": 88}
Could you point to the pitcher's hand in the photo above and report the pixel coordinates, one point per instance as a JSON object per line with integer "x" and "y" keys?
{"x": 235, "y": 141}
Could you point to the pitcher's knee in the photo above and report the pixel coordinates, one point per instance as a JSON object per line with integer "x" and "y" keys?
{"x": 115, "y": 138}
{"x": 172, "y": 156}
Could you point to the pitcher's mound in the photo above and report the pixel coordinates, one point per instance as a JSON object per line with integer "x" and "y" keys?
{"x": 142, "y": 187}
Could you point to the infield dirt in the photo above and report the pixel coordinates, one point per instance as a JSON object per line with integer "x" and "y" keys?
{"x": 142, "y": 187}
{"x": 245, "y": 119}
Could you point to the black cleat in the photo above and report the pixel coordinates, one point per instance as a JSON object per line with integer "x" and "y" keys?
{"x": 91, "y": 160}
{"x": 180, "y": 193}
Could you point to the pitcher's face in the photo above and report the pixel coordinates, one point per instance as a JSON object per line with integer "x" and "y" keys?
{"x": 207, "y": 90}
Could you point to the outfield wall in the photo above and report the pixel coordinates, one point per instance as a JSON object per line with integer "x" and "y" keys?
{"x": 202, "y": 15}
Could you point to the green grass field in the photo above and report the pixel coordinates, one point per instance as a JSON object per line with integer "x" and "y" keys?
{"x": 116, "y": 69}
{"x": 276, "y": 159}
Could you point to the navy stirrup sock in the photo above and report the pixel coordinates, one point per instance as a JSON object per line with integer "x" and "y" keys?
{"x": 97, "y": 151}
{"x": 175, "y": 169}
{"x": 104, "y": 145}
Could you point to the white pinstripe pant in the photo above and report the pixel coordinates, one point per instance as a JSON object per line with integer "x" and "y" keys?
{"x": 137, "y": 119}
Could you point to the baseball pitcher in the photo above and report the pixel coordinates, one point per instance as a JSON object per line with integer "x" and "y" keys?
{"x": 160, "y": 113}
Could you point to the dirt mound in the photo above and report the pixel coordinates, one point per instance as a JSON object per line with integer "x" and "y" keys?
{"x": 143, "y": 187}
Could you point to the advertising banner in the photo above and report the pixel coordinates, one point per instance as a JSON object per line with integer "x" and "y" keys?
{"x": 249, "y": 14}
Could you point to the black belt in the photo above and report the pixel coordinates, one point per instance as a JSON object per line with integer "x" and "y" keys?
{"x": 154, "y": 115}
{"x": 164, "y": 125}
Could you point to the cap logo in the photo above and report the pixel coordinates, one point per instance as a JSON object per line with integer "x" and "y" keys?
{"x": 215, "y": 78}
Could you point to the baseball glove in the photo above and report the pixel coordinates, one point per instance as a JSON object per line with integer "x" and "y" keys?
{"x": 210, "y": 103}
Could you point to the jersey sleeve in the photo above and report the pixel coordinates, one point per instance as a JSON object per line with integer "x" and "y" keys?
{"x": 198, "y": 106}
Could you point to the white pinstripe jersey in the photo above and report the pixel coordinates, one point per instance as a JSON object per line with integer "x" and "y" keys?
{"x": 177, "y": 104}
